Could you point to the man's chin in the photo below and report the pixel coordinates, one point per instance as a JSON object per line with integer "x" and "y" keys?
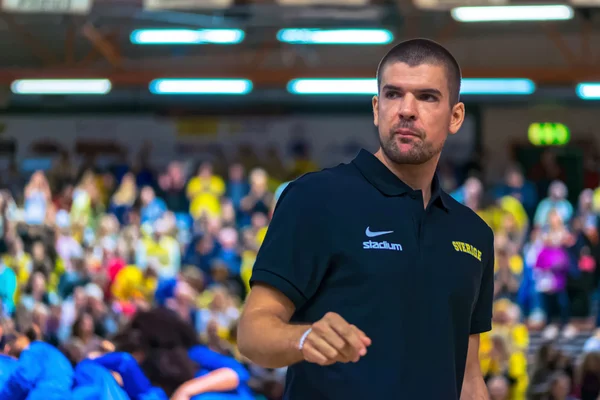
{"x": 408, "y": 159}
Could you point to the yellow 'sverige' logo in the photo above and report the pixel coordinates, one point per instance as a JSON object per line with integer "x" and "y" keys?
{"x": 467, "y": 248}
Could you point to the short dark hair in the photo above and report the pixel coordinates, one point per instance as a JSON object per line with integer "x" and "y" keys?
{"x": 417, "y": 52}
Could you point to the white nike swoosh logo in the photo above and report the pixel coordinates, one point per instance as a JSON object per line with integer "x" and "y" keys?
{"x": 375, "y": 234}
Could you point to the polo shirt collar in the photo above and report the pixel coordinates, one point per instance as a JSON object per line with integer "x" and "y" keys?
{"x": 385, "y": 181}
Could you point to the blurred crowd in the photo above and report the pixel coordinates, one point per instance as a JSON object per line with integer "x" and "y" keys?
{"x": 546, "y": 281}
{"x": 89, "y": 255}
{"x": 85, "y": 250}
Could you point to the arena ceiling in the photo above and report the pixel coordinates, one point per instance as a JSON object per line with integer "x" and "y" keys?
{"x": 97, "y": 44}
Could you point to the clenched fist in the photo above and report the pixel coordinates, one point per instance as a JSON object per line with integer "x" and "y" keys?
{"x": 332, "y": 340}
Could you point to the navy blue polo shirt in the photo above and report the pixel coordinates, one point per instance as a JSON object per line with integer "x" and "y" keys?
{"x": 356, "y": 240}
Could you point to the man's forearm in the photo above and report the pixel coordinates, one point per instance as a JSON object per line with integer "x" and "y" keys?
{"x": 268, "y": 341}
{"x": 474, "y": 388}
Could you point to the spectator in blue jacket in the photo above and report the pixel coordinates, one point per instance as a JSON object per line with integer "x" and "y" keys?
{"x": 42, "y": 372}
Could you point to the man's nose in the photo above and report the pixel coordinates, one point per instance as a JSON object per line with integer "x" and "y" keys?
{"x": 408, "y": 108}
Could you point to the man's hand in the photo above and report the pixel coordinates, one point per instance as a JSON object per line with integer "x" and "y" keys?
{"x": 332, "y": 340}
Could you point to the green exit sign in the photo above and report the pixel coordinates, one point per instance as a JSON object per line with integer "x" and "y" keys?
{"x": 548, "y": 134}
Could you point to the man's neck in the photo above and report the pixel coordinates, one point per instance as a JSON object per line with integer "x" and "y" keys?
{"x": 418, "y": 177}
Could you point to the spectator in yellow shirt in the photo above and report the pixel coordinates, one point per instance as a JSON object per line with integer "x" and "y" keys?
{"x": 159, "y": 248}
{"x": 131, "y": 284}
{"x": 205, "y": 182}
{"x": 503, "y": 350}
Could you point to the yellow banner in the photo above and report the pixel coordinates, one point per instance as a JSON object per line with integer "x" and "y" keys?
{"x": 201, "y": 126}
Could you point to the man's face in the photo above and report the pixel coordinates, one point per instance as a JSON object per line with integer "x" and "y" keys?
{"x": 413, "y": 112}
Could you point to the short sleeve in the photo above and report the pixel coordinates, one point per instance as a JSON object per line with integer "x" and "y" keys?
{"x": 295, "y": 253}
{"x": 481, "y": 318}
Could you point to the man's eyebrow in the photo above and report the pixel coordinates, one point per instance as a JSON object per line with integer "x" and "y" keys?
{"x": 431, "y": 91}
{"x": 391, "y": 87}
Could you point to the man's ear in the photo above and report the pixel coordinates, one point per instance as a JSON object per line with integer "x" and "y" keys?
{"x": 457, "y": 118}
{"x": 375, "y": 103}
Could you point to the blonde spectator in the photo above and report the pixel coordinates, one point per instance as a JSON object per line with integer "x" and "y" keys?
{"x": 152, "y": 208}
{"x": 471, "y": 194}
{"x": 123, "y": 199}
{"x": 504, "y": 361}
{"x": 259, "y": 199}
{"x": 85, "y": 199}
{"x": 67, "y": 247}
{"x": 503, "y": 350}
{"x": 556, "y": 200}
{"x": 221, "y": 310}
{"x": 39, "y": 318}
{"x": 515, "y": 222}
{"x": 108, "y": 227}
{"x": 38, "y": 200}
{"x": 508, "y": 271}
{"x": 107, "y": 237}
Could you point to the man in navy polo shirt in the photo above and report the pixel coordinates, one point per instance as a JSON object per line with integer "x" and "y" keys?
{"x": 373, "y": 283}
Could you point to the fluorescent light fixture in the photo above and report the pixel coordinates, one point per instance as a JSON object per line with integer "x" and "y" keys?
{"x": 589, "y": 91}
{"x": 61, "y": 86}
{"x": 335, "y": 36}
{"x": 369, "y": 86}
{"x": 512, "y": 13}
{"x": 200, "y": 86}
{"x": 187, "y": 36}
{"x": 500, "y": 86}
{"x": 332, "y": 86}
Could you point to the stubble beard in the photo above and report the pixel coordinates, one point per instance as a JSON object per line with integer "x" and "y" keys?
{"x": 420, "y": 152}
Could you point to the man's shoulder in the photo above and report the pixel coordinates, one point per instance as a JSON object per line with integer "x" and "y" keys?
{"x": 467, "y": 217}
{"x": 315, "y": 191}
{"x": 322, "y": 180}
